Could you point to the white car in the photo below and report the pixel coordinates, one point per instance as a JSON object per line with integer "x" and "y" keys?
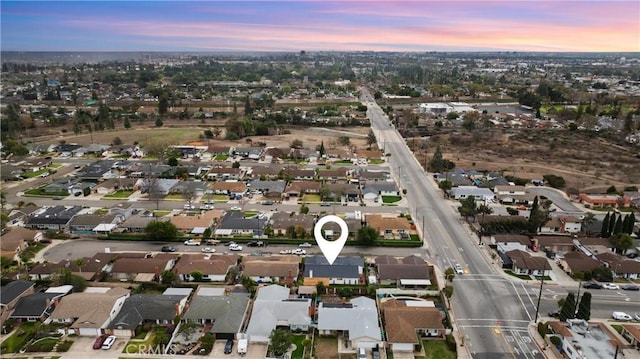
{"x": 235, "y": 208}
{"x": 305, "y": 245}
{"x": 189, "y": 206}
{"x": 191, "y": 242}
{"x": 610, "y": 286}
{"x": 299, "y": 252}
{"x": 235, "y": 247}
{"x": 458, "y": 269}
{"x": 208, "y": 250}
{"x": 621, "y": 316}
{"x": 285, "y": 251}
{"x": 108, "y": 343}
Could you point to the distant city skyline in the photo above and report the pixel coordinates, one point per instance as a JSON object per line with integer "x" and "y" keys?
{"x": 562, "y": 26}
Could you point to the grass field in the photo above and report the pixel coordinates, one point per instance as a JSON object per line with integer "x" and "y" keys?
{"x": 297, "y": 340}
{"x": 391, "y": 199}
{"x": 376, "y": 161}
{"x": 437, "y": 349}
{"x": 123, "y": 193}
{"x": 37, "y": 192}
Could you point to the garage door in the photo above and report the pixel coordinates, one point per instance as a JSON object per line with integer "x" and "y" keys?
{"x": 89, "y": 332}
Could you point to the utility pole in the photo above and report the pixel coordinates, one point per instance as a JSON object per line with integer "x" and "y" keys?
{"x": 539, "y": 297}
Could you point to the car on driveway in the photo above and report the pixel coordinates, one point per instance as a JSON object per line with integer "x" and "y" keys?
{"x": 108, "y": 343}
{"x": 592, "y": 285}
{"x": 630, "y": 287}
{"x": 191, "y": 242}
{"x": 99, "y": 341}
{"x": 228, "y": 346}
{"x": 168, "y": 249}
{"x": 612, "y": 286}
{"x": 305, "y": 245}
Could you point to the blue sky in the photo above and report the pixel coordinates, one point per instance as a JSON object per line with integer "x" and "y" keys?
{"x": 320, "y": 25}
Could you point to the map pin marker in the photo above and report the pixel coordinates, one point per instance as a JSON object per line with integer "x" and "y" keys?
{"x": 331, "y": 249}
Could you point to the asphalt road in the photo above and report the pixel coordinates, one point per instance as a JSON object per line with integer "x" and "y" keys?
{"x": 493, "y": 324}
{"x": 558, "y": 198}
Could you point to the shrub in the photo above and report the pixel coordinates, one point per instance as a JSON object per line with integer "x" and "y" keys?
{"x": 543, "y": 329}
{"x": 451, "y": 343}
{"x": 555, "y": 340}
{"x": 64, "y": 346}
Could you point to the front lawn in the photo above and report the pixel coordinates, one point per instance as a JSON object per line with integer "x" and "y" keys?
{"x": 15, "y": 342}
{"x": 161, "y": 213}
{"x": 36, "y": 173}
{"x": 437, "y": 349}
{"x": 38, "y": 192}
{"x": 30, "y": 252}
{"x": 391, "y": 199}
{"x": 221, "y": 157}
{"x": 123, "y": 193}
{"x": 297, "y": 340}
{"x": 174, "y": 197}
{"x": 521, "y": 276}
{"x": 376, "y": 161}
{"x": 311, "y": 198}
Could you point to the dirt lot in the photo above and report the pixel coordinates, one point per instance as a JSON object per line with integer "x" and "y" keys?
{"x": 311, "y": 137}
{"x": 326, "y": 348}
{"x": 583, "y": 161}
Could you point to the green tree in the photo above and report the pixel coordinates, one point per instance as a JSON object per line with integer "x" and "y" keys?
{"x": 584, "y": 308}
{"x": 168, "y": 277}
{"x": 5, "y": 262}
{"x": 447, "y": 291}
{"x": 161, "y": 230}
{"x": 468, "y": 207}
{"x": 172, "y": 161}
{"x": 322, "y": 150}
{"x": 344, "y": 140}
{"x": 160, "y": 337}
{"x": 449, "y": 273}
{"x": 208, "y": 134}
{"x": 117, "y": 141}
{"x": 438, "y": 163}
{"x": 621, "y": 242}
{"x": 568, "y": 309}
{"x": 159, "y": 122}
{"x": 371, "y": 138}
{"x": 612, "y": 224}
{"x": 66, "y": 277}
{"x": 445, "y": 185}
{"x": 247, "y": 106}
{"x": 304, "y": 209}
{"x": 366, "y": 235}
{"x": 235, "y": 164}
{"x": 320, "y": 288}
{"x": 80, "y": 262}
{"x": 197, "y": 275}
{"x": 163, "y": 104}
{"x": 280, "y": 340}
{"x": 618, "y": 226}
{"x": 612, "y": 190}
{"x": 588, "y": 220}
{"x": 538, "y": 216}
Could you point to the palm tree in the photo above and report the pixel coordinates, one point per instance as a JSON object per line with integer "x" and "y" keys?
{"x": 587, "y": 221}
{"x": 80, "y": 262}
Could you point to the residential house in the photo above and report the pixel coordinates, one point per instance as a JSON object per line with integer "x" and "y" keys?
{"x": 274, "y": 269}
{"x": 563, "y": 224}
{"x": 137, "y": 223}
{"x": 11, "y": 172}
{"x": 273, "y": 154}
{"x": 225, "y": 311}
{"x": 234, "y": 224}
{"x": 274, "y": 307}
{"x": 269, "y": 189}
{"x": 145, "y": 269}
{"x": 61, "y": 186}
{"x": 389, "y": 227}
{"x": 410, "y": 272}
{"x": 620, "y": 266}
{"x": 407, "y": 322}
{"x": 88, "y": 269}
{"x": 372, "y": 191}
{"x": 576, "y": 262}
{"x": 595, "y": 200}
{"x": 631, "y": 332}
{"x": 90, "y": 312}
{"x": 348, "y": 191}
{"x": 145, "y": 309}
{"x": 365, "y": 156}
{"x": 214, "y": 268}
{"x": 157, "y": 187}
{"x": 232, "y": 189}
{"x": 338, "y": 153}
{"x": 150, "y": 170}
{"x": 252, "y": 153}
{"x": 631, "y": 199}
{"x": 53, "y": 218}
{"x": 35, "y": 307}
{"x": 357, "y": 320}
{"x": 86, "y": 223}
{"x": 508, "y": 242}
{"x": 345, "y": 270}
{"x": 35, "y": 164}
{"x": 199, "y": 223}
{"x": 92, "y": 149}
{"x": 524, "y": 263}
{"x": 265, "y": 172}
{"x": 15, "y": 240}
{"x": 10, "y": 294}
{"x": 294, "y": 173}
{"x": 510, "y": 190}
{"x": 224, "y": 174}
{"x": 299, "y": 188}
{"x": 557, "y": 244}
{"x": 114, "y": 184}
{"x": 218, "y": 150}
{"x": 98, "y": 171}
{"x": 372, "y": 176}
{"x": 190, "y": 188}
{"x": 479, "y": 194}
{"x": 124, "y": 210}
{"x": 282, "y": 221}
{"x": 333, "y": 175}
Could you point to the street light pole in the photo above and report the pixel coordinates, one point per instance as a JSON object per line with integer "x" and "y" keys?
{"x": 539, "y": 297}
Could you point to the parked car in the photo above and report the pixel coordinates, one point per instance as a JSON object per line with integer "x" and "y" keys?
{"x": 235, "y": 208}
{"x": 168, "y": 249}
{"x": 305, "y": 245}
{"x": 189, "y": 206}
{"x": 621, "y": 316}
{"x": 99, "y": 341}
{"x": 554, "y": 314}
{"x": 325, "y": 204}
{"x": 592, "y": 285}
{"x": 208, "y": 250}
{"x": 285, "y": 251}
{"x": 637, "y": 316}
{"x": 191, "y": 242}
{"x": 227, "y": 244}
{"x": 228, "y": 346}
{"x": 612, "y": 286}
{"x": 267, "y": 203}
{"x": 299, "y": 252}
{"x": 458, "y": 269}
{"x": 630, "y": 287}
{"x": 108, "y": 343}
{"x": 235, "y": 247}
{"x": 255, "y": 244}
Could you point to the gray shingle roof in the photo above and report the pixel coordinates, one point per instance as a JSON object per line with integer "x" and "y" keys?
{"x": 12, "y": 290}
{"x": 227, "y": 311}
{"x": 343, "y": 267}
{"x": 140, "y": 307}
{"x": 34, "y": 305}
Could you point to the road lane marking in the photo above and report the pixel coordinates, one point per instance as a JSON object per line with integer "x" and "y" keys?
{"x": 521, "y": 301}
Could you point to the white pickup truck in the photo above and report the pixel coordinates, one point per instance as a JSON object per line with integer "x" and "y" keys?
{"x": 242, "y": 346}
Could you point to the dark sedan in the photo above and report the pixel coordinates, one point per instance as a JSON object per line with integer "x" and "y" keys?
{"x": 592, "y": 285}
{"x": 168, "y": 249}
{"x": 630, "y": 287}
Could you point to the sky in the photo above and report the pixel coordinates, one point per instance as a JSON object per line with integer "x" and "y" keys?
{"x": 331, "y": 25}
